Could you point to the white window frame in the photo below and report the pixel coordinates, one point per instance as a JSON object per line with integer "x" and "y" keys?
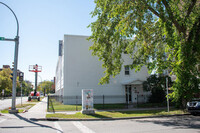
{"x": 127, "y": 70}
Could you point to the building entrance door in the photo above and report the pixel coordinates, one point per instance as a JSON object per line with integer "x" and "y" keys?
{"x": 128, "y": 91}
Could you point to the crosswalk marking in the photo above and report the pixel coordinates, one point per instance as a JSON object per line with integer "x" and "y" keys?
{"x": 82, "y": 128}
{"x": 57, "y": 126}
{"x": 2, "y": 120}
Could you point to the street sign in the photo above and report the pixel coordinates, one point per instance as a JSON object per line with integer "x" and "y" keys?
{"x": 2, "y": 38}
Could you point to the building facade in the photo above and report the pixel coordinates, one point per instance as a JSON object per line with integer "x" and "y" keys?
{"x": 77, "y": 69}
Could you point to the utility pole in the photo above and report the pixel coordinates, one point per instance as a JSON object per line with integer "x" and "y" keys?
{"x": 167, "y": 90}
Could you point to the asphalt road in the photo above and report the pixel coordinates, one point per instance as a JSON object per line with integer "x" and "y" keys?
{"x": 6, "y": 103}
{"x": 175, "y": 124}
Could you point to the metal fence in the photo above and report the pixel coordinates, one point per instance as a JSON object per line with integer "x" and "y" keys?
{"x": 101, "y": 102}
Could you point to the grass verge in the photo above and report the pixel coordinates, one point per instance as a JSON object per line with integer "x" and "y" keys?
{"x": 20, "y": 107}
{"x": 115, "y": 114}
{"x": 61, "y": 107}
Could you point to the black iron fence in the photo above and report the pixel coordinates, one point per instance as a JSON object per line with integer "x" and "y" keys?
{"x": 101, "y": 102}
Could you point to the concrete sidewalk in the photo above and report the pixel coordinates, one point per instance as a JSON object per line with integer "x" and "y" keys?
{"x": 37, "y": 112}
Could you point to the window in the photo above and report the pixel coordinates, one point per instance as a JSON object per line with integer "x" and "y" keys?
{"x": 127, "y": 72}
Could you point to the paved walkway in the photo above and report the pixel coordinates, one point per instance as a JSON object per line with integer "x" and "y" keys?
{"x": 37, "y": 111}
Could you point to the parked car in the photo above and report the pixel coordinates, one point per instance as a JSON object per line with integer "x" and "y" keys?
{"x": 193, "y": 107}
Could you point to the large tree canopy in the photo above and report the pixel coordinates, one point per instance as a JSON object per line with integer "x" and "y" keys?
{"x": 5, "y": 81}
{"x": 46, "y": 85}
{"x": 161, "y": 34}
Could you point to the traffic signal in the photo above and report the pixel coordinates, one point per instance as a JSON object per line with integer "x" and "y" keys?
{"x": 13, "y": 64}
{"x": 11, "y": 76}
{"x": 21, "y": 76}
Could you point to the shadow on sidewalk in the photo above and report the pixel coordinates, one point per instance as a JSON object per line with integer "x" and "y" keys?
{"x": 40, "y": 125}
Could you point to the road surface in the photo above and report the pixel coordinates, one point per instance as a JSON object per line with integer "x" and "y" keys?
{"x": 178, "y": 124}
{"x": 6, "y": 103}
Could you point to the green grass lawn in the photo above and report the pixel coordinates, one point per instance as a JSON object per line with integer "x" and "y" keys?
{"x": 61, "y": 107}
{"x": 115, "y": 114}
{"x": 57, "y": 106}
{"x": 20, "y": 107}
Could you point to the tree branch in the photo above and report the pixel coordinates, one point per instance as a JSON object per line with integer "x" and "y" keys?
{"x": 180, "y": 29}
{"x": 196, "y": 28}
{"x": 151, "y": 9}
{"x": 190, "y": 8}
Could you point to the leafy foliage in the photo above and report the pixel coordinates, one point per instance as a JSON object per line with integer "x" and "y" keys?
{"x": 26, "y": 88}
{"x": 160, "y": 34}
{"x": 6, "y": 84}
{"x": 5, "y": 81}
{"x": 46, "y": 86}
{"x": 157, "y": 86}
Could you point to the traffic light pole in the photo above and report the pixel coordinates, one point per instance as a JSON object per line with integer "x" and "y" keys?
{"x": 16, "y": 40}
{"x": 13, "y": 109}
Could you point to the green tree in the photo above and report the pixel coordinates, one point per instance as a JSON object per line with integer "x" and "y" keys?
{"x": 18, "y": 87}
{"x": 157, "y": 86}
{"x": 148, "y": 30}
{"x": 26, "y": 88}
{"x": 46, "y": 87}
{"x": 5, "y": 81}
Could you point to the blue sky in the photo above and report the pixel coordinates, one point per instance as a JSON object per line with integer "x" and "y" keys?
{"x": 42, "y": 23}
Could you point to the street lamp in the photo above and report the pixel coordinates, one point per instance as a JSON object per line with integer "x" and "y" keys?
{"x": 16, "y": 40}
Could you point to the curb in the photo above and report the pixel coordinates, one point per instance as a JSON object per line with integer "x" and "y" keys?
{"x": 104, "y": 119}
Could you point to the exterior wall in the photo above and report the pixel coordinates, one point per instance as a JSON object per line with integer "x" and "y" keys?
{"x": 59, "y": 77}
{"x": 83, "y": 71}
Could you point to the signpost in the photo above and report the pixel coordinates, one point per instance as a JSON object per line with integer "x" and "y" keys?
{"x": 87, "y": 101}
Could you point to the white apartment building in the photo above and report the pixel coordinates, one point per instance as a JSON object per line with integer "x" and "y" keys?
{"x": 77, "y": 69}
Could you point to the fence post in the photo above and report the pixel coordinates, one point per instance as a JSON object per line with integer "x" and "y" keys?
{"x": 62, "y": 97}
{"x": 137, "y": 100}
{"x": 103, "y": 101}
{"x": 76, "y": 102}
{"x": 48, "y": 103}
{"x": 126, "y": 102}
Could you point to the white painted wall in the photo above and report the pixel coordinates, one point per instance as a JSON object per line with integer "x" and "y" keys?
{"x": 83, "y": 71}
{"x": 59, "y": 76}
